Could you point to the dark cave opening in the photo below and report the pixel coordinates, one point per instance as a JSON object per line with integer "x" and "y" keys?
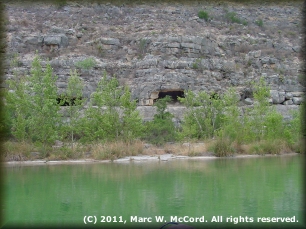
{"x": 173, "y": 94}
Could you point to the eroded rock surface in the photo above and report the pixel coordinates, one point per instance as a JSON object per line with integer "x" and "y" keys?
{"x": 164, "y": 48}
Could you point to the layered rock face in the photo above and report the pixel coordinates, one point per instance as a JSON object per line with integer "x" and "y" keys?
{"x": 160, "y": 49}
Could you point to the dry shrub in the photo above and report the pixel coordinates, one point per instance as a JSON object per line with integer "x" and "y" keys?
{"x": 17, "y": 151}
{"x": 270, "y": 147}
{"x": 241, "y": 148}
{"x": 243, "y": 48}
{"x": 268, "y": 51}
{"x": 68, "y": 151}
{"x": 154, "y": 150}
{"x": 187, "y": 149}
{"x": 120, "y": 54}
{"x": 51, "y": 53}
{"x": 299, "y": 146}
{"x": 115, "y": 150}
{"x": 290, "y": 34}
{"x": 23, "y": 22}
{"x": 223, "y": 147}
{"x": 177, "y": 149}
{"x": 93, "y": 50}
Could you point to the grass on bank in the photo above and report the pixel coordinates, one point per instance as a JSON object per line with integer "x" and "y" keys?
{"x": 22, "y": 151}
{"x": 224, "y": 147}
{"x": 116, "y": 150}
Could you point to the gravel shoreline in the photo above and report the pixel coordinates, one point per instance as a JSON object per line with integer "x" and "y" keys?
{"x": 140, "y": 158}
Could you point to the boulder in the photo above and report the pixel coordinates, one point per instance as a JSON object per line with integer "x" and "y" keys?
{"x": 272, "y": 60}
{"x": 52, "y": 40}
{"x": 265, "y": 60}
{"x": 297, "y": 93}
{"x": 147, "y": 63}
{"x": 229, "y": 66}
{"x": 281, "y": 96}
{"x": 191, "y": 46}
{"x": 205, "y": 64}
{"x": 276, "y": 97}
{"x": 172, "y": 45}
{"x": 34, "y": 40}
{"x": 192, "y": 39}
{"x": 296, "y": 48}
{"x": 55, "y": 29}
{"x": 170, "y": 64}
{"x": 175, "y": 39}
{"x": 248, "y": 101}
{"x": 288, "y": 102}
{"x": 254, "y": 54}
{"x": 297, "y": 100}
{"x": 60, "y": 40}
{"x": 288, "y": 96}
{"x": 110, "y": 41}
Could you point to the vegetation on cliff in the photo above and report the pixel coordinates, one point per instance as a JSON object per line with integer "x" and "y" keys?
{"x": 110, "y": 126}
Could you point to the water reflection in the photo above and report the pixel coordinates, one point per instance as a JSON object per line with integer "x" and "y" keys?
{"x": 64, "y": 194}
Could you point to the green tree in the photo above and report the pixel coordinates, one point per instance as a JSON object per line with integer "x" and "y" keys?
{"x": 17, "y": 107}
{"x": 203, "y": 116}
{"x": 74, "y": 98}
{"x": 16, "y": 104}
{"x": 232, "y": 126}
{"x": 161, "y": 129}
{"x": 131, "y": 122}
{"x": 44, "y": 118}
{"x": 111, "y": 113}
{"x": 254, "y": 118}
{"x": 273, "y": 126}
{"x": 294, "y": 131}
{"x": 101, "y": 114}
{"x": 31, "y": 102}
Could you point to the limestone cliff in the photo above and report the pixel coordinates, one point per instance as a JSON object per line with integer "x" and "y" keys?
{"x": 165, "y": 48}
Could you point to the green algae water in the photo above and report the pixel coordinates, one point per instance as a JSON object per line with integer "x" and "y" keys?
{"x": 215, "y": 192}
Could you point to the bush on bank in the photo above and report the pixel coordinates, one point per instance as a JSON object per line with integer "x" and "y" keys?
{"x": 161, "y": 129}
{"x": 34, "y": 120}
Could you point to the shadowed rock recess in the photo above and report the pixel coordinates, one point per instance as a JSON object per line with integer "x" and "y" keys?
{"x": 164, "y": 48}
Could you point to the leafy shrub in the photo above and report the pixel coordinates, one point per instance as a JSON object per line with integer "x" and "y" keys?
{"x": 142, "y": 47}
{"x": 203, "y": 116}
{"x": 223, "y": 148}
{"x": 295, "y": 129}
{"x": 32, "y": 104}
{"x": 232, "y": 124}
{"x": 103, "y": 119}
{"x": 259, "y": 23}
{"x": 100, "y": 50}
{"x": 116, "y": 149}
{"x": 274, "y": 146}
{"x": 161, "y": 129}
{"x": 86, "y": 64}
{"x": 232, "y": 17}
{"x": 60, "y": 3}
{"x": 196, "y": 64}
{"x": 203, "y": 15}
{"x": 274, "y": 126}
{"x": 74, "y": 90}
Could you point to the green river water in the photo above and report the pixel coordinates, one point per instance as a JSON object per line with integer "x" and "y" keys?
{"x": 238, "y": 189}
